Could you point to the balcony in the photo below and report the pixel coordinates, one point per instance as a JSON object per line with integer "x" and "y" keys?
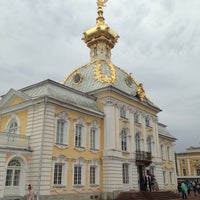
{"x": 143, "y": 158}
{"x": 10, "y": 140}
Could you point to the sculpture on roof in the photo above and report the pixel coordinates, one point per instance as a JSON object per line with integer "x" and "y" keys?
{"x": 101, "y": 3}
{"x": 141, "y": 92}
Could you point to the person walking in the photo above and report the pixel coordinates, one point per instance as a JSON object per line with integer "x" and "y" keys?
{"x": 184, "y": 190}
{"x": 30, "y": 195}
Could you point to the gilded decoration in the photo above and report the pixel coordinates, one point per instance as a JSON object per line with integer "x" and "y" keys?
{"x": 104, "y": 78}
{"x": 101, "y": 3}
{"x": 141, "y": 92}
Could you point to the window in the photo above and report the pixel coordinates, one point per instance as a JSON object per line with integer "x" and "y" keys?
{"x": 125, "y": 173}
{"x": 94, "y": 135}
{"x": 58, "y": 174}
{"x": 164, "y": 177}
{"x": 92, "y": 138}
{"x": 122, "y": 112}
{"x": 60, "y": 132}
{"x": 77, "y": 175}
{"x": 137, "y": 140}
{"x": 13, "y": 173}
{"x": 62, "y": 129}
{"x": 183, "y": 161}
{"x": 124, "y": 140}
{"x": 78, "y": 135}
{"x": 136, "y": 117}
{"x": 198, "y": 172}
{"x": 60, "y": 165}
{"x": 92, "y": 174}
{"x": 13, "y": 126}
{"x": 162, "y": 151}
{"x": 95, "y": 51}
{"x": 149, "y": 144}
{"x": 184, "y": 172}
{"x": 169, "y": 153}
{"x": 147, "y": 121}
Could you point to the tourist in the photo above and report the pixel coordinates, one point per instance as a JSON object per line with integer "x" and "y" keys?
{"x": 184, "y": 190}
{"x": 30, "y": 195}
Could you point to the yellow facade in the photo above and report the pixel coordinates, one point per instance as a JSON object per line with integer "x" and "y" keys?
{"x": 188, "y": 163}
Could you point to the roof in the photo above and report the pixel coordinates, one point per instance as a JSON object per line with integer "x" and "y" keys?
{"x": 162, "y": 131}
{"x": 61, "y": 93}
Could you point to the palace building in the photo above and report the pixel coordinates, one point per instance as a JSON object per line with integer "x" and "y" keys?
{"x": 89, "y": 137}
{"x": 188, "y": 164}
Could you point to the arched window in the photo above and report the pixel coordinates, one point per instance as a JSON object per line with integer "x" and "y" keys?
{"x": 13, "y": 173}
{"x": 124, "y": 140}
{"x": 137, "y": 141}
{"x": 13, "y": 126}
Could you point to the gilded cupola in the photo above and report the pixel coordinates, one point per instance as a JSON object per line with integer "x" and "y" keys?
{"x": 100, "y": 38}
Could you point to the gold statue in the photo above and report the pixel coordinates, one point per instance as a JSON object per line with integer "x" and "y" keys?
{"x": 101, "y": 3}
{"x": 141, "y": 92}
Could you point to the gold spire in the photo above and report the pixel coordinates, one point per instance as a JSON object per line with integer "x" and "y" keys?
{"x": 101, "y": 32}
{"x": 100, "y": 5}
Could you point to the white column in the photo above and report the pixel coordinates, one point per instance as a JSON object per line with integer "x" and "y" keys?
{"x": 189, "y": 170}
{"x": 144, "y": 133}
{"x": 109, "y": 126}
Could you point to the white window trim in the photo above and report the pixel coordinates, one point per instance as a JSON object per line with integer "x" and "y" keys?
{"x": 95, "y": 126}
{"x": 13, "y": 118}
{"x": 96, "y": 163}
{"x": 80, "y": 121}
{"x": 79, "y": 162}
{"x": 61, "y": 159}
{"x": 129, "y": 177}
{"x": 64, "y": 118}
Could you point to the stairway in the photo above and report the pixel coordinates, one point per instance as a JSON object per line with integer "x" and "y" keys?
{"x": 161, "y": 195}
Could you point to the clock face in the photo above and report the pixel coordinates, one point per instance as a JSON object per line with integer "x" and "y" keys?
{"x": 77, "y": 78}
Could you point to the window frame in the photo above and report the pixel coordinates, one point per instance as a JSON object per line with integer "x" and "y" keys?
{"x": 125, "y": 174}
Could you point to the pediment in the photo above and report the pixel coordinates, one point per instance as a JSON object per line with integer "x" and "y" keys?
{"x": 13, "y": 97}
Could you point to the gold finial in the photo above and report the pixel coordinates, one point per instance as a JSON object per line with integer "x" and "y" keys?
{"x": 101, "y": 3}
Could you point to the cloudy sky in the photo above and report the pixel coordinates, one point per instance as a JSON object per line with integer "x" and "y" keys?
{"x": 159, "y": 44}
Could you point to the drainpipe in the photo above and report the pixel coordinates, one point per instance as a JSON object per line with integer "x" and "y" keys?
{"x": 41, "y": 149}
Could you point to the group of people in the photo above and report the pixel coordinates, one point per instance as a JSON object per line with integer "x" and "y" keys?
{"x": 188, "y": 186}
{"x": 148, "y": 183}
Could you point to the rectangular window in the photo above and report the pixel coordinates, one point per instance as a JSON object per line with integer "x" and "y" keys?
{"x": 164, "y": 177}
{"x": 125, "y": 173}
{"x": 122, "y": 112}
{"x": 9, "y": 177}
{"x": 198, "y": 172}
{"x": 58, "y": 174}
{"x": 184, "y": 172}
{"x": 78, "y": 135}
{"x": 60, "y": 132}
{"x": 92, "y": 138}
{"x": 77, "y": 175}
{"x": 92, "y": 175}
